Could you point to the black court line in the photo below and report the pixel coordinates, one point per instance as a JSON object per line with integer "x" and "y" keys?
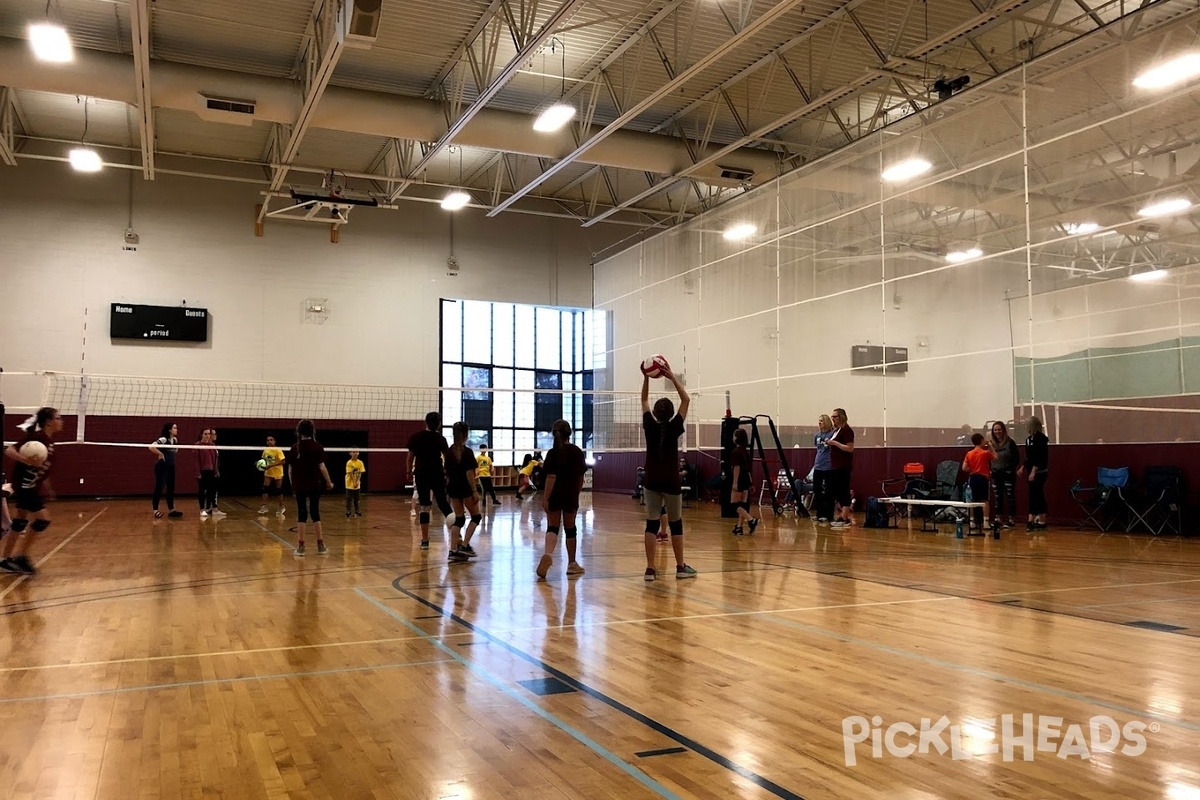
{"x": 1155, "y": 626}
{"x": 666, "y": 751}
{"x": 653, "y": 724}
{"x": 1013, "y": 601}
{"x": 429, "y": 616}
{"x": 544, "y": 687}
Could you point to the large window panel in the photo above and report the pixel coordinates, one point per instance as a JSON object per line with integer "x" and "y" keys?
{"x": 549, "y": 350}
{"x": 477, "y": 332}
{"x": 523, "y": 336}
{"x": 502, "y": 334}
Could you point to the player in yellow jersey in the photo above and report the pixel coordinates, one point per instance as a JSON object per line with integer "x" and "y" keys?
{"x": 483, "y": 471}
{"x": 354, "y": 473}
{"x": 272, "y": 476}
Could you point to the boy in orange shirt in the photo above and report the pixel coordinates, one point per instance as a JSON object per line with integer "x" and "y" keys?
{"x": 978, "y": 466}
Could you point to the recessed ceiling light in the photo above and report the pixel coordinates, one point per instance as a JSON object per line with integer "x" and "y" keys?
{"x": 50, "y": 42}
{"x": 959, "y": 256}
{"x": 1078, "y": 228}
{"x": 1177, "y": 70}
{"x": 455, "y": 200}
{"x": 553, "y": 118}
{"x": 1148, "y": 275}
{"x": 85, "y": 159}
{"x": 1164, "y": 207}
{"x": 906, "y": 170}
{"x": 742, "y": 230}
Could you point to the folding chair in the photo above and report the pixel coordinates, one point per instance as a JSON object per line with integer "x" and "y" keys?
{"x": 912, "y": 485}
{"x": 1162, "y": 490}
{"x": 1100, "y": 502}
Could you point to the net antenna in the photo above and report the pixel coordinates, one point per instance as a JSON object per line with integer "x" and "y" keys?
{"x": 731, "y": 424}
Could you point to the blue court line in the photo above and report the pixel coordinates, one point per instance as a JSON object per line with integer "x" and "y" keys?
{"x": 937, "y": 662}
{"x": 570, "y": 680}
{"x": 210, "y": 681}
{"x": 579, "y": 736}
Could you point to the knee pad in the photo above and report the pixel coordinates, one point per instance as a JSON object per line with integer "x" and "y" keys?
{"x": 424, "y": 518}
{"x": 459, "y": 521}
{"x": 19, "y": 525}
{"x": 676, "y": 527}
{"x": 476, "y": 519}
{"x": 552, "y": 529}
{"x": 571, "y": 532}
{"x": 652, "y": 525}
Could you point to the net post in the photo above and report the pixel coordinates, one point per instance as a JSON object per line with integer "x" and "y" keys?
{"x": 81, "y": 418}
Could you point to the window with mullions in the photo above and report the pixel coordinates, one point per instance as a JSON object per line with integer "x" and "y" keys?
{"x": 511, "y": 370}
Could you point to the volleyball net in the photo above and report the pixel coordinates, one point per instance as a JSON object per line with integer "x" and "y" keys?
{"x": 130, "y": 411}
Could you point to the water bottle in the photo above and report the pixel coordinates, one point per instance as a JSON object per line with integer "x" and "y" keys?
{"x": 958, "y": 527}
{"x": 967, "y": 493}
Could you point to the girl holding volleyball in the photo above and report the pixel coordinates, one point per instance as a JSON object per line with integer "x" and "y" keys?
{"x": 662, "y": 427}
{"x": 33, "y": 454}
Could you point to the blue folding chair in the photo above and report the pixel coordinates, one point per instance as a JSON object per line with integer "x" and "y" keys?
{"x": 1101, "y": 503}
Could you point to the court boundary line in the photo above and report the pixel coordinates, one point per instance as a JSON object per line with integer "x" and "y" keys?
{"x": 21, "y": 579}
{"x": 639, "y": 775}
{"x": 670, "y": 733}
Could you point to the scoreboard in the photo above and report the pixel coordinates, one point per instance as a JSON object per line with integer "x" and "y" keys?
{"x": 158, "y": 323}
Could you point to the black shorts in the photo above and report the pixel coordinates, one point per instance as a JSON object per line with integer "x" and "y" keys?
{"x": 308, "y": 506}
{"x": 460, "y": 491}
{"x": 30, "y": 500}
{"x": 432, "y": 489}
{"x": 562, "y": 502}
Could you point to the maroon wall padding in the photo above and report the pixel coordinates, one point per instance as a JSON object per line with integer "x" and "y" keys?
{"x": 118, "y": 471}
{"x": 617, "y": 472}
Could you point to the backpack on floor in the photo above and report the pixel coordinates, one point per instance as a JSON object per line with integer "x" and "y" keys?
{"x": 877, "y": 515}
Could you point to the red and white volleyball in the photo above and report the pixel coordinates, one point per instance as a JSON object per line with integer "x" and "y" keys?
{"x": 655, "y": 366}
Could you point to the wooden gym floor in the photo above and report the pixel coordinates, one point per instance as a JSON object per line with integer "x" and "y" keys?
{"x": 191, "y": 659}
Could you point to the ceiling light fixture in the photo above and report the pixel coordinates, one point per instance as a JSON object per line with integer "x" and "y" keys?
{"x": 1079, "y": 228}
{"x": 85, "y": 159}
{"x": 959, "y": 256}
{"x": 554, "y": 118}
{"x": 906, "y": 170}
{"x": 740, "y": 231}
{"x": 1164, "y": 208}
{"x": 1176, "y": 70}
{"x": 1149, "y": 275}
{"x": 455, "y": 200}
{"x": 50, "y": 42}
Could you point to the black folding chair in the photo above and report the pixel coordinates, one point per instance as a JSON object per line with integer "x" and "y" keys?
{"x": 1162, "y": 493}
{"x": 1101, "y": 503}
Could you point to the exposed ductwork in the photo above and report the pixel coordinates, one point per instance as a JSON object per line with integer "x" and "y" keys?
{"x": 187, "y": 88}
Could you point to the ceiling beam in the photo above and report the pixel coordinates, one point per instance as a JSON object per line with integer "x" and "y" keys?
{"x": 139, "y": 29}
{"x": 7, "y": 127}
{"x": 733, "y": 42}
{"x": 526, "y": 51}
{"x": 468, "y": 40}
{"x": 325, "y": 49}
{"x": 843, "y": 92}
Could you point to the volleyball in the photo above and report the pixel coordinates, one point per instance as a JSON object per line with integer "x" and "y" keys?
{"x": 35, "y": 452}
{"x": 655, "y": 366}
{"x": 262, "y": 464}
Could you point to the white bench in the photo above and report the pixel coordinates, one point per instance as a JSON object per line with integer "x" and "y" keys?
{"x": 939, "y": 505}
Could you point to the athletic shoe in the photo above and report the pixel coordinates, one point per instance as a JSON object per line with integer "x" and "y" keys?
{"x": 1008, "y": 525}
{"x": 425, "y": 545}
{"x": 650, "y": 575}
{"x": 458, "y": 558}
{"x": 280, "y": 512}
{"x": 544, "y": 565}
{"x": 299, "y": 552}
{"x": 262, "y": 511}
{"x": 839, "y": 523}
{"x": 684, "y": 571}
{"x": 24, "y": 564}
{"x": 753, "y": 524}
{"x": 358, "y": 513}
{"x": 158, "y": 515}
{"x": 467, "y": 549}
{"x": 347, "y": 515}
{"x": 8, "y": 565}
{"x": 322, "y": 550}
{"x": 173, "y": 514}
{"x": 737, "y": 530}
{"x": 574, "y": 569}
{"x": 412, "y": 513}
{"x": 822, "y": 520}
{"x": 203, "y": 515}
